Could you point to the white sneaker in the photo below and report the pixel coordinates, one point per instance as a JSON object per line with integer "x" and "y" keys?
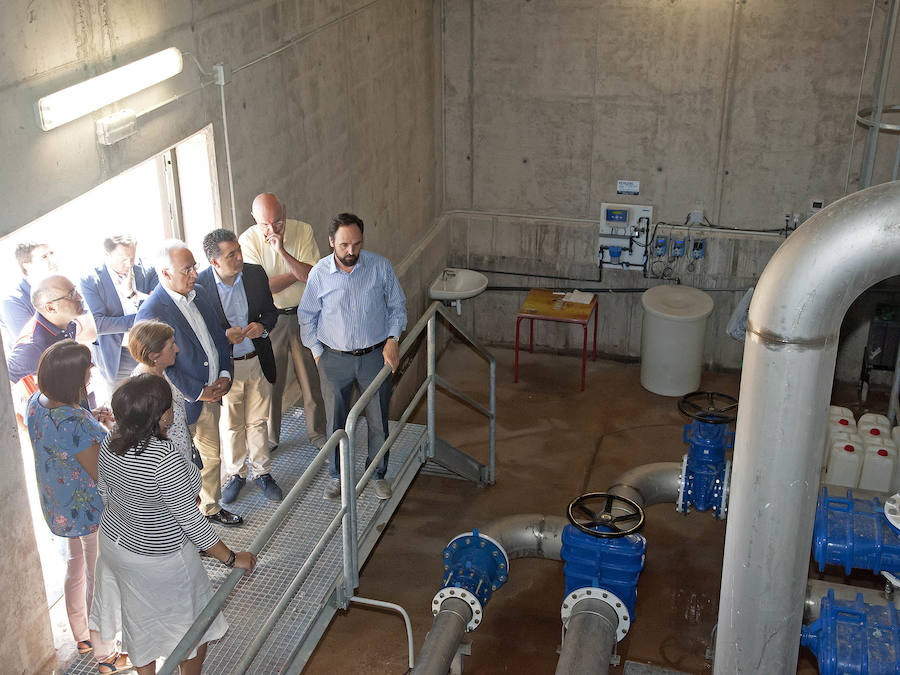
{"x": 382, "y": 488}
{"x": 333, "y": 490}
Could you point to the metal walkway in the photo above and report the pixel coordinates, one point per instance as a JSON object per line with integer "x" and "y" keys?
{"x": 309, "y": 612}
{"x": 306, "y": 572}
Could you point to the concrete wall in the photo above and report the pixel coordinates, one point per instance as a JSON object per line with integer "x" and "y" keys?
{"x": 743, "y": 109}
{"x": 546, "y": 252}
{"x": 342, "y": 119}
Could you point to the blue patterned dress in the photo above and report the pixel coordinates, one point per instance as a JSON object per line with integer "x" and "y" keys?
{"x": 69, "y": 497}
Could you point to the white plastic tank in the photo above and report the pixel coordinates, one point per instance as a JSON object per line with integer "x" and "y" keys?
{"x": 841, "y": 426}
{"x": 672, "y": 338}
{"x": 844, "y": 464}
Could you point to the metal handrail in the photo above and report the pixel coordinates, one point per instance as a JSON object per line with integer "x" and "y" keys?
{"x": 213, "y": 607}
{"x": 345, "y": 439}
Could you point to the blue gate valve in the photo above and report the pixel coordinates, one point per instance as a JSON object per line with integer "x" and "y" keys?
{"x": 854, "y": 638}
{"x": 705, "y": 473}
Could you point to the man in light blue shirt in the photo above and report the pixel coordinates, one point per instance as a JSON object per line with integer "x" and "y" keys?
{"x": 240, "y": 294}
{"x": 351, "y": 316}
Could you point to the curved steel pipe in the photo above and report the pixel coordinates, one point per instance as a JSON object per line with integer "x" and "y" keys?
{"x": 528, "y": 535}
{"x": 650, "y": 484}
{"x": 442, "y": 640}
{"x": 789, "y": 360}
{"x": 590, "y": 639}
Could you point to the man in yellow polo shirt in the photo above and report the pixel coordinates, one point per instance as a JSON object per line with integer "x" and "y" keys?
{"x": 286, "y": 250}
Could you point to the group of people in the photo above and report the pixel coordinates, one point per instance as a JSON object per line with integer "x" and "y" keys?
{"x": 198, "y": 365}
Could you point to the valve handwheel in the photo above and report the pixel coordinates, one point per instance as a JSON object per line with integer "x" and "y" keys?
{"x": 709, "y": 406}
{"x": 584, "y": 515}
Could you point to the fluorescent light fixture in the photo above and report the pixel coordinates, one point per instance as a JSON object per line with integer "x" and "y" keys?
{"x": 85, "y": 97}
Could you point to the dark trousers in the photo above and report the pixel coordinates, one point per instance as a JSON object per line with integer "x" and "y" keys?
{"x": 338, "y": 372}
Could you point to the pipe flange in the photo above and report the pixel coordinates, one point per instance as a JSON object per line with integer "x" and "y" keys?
{"x": 476, "y": 533}
{"x": 680, "y": 504}
{"x": 726, "y": 490}
{"x": 610, "y": 599}
{"x": 452, "y": 592}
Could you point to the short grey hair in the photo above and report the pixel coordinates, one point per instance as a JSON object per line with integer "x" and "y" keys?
{"x": 162, "y": 258}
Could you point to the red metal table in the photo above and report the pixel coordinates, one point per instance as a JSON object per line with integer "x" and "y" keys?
{"x": 546, "y": 305}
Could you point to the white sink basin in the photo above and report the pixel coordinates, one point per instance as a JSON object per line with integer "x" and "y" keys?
{"x": 457, "y": 284}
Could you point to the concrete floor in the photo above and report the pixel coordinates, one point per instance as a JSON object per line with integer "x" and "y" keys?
{"x": 553, "y": 443}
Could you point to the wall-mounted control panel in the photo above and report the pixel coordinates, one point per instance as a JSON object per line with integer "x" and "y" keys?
{"x": 624, "y": 235}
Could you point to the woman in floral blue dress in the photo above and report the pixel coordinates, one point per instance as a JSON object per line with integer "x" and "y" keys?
{"x": 65, "y": 437}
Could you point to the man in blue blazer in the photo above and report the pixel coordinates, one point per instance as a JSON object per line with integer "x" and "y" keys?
{"x": 113, "y": 293}
{"x": 203, "y": 368}
{"x": 242, "y": 299}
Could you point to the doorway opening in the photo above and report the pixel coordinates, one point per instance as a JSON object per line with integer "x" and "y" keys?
{"x": 173, "y": 194}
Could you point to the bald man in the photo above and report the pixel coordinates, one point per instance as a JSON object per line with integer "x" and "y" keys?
{"x": 59, "y": 315}
{"x": 286, "y": 250}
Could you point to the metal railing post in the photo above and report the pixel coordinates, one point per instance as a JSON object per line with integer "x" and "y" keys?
{"x": 432, "y": 370}
{"x": 348, "y": 502}
{"x": 493, "y": 423}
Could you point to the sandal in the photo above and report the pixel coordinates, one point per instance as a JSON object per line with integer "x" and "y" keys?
{"x": 119, "y": 663}
{"x": 84, "y": 646}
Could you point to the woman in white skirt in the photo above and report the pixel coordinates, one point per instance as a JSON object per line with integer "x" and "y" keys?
{"x": 150, "y": 583}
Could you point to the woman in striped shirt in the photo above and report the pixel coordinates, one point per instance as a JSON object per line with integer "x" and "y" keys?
{"x": 150, "y": 582}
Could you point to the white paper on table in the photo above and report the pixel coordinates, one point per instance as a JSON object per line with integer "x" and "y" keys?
{"x": 579, "y": 297}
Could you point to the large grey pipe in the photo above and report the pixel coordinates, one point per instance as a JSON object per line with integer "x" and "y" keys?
{"x": 590, "y": 639}
{"x": 650, "y": 484}
{"x": 442, "y": 640}
{"x": 789, "y": 360}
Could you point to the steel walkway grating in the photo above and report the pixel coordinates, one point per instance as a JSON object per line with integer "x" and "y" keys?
{"x": 252, "y": 600}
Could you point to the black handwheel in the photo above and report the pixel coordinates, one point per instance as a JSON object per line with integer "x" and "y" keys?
{"x": 709, "y": 406}
{"x": 614, "y": 512}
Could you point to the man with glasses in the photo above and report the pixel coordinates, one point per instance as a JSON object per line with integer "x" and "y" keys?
{"x": 59, "y": 315}
{"x": 203, "y": 368}
{"x": 36, "y": 261}
{"x": 286, "y": 250}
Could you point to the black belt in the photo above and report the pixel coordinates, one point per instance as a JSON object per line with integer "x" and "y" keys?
{"x": 287, "y": 310}
{"x": 251, "y": 355}
{"x": 358, "y": 352}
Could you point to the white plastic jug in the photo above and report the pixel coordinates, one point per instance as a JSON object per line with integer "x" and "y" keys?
{"x": 870, "y": 422}
{"x": 840, "y": 427}
{"x": 844, "y": 464}
{"x": 879, "y": 466}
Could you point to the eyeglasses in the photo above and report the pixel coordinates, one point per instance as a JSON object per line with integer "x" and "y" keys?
{"x": 276, "y": 223}
{"x": 188, "y": 271}
{"x": 71, "y": 295}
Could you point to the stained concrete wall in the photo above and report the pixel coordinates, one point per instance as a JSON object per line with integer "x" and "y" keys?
{"x": 518, "y": 255}
{"x": 343, "y": 118}
{"x": 744, "y": 109}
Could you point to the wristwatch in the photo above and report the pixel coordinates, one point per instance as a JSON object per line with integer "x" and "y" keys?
{"x": 394, "y": 338}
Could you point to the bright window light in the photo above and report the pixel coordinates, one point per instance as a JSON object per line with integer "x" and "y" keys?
{"x": 85, "y": 97}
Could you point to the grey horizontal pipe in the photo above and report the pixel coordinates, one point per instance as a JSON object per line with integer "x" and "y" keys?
{"x": 590, "y": 639}
{"x": 443, "y": 639}
{"x": 650, "y": 484}
{"x": 817, "y": 589}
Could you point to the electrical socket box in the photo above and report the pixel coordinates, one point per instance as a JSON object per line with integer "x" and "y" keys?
{"x": 677, "y": 248}
{"x": 624, "y": 235}
{"x": 698, "y": 248}
{"x": 660, "y": 246}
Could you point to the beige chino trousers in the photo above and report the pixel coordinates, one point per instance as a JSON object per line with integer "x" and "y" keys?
{"x": 206, "y": 437}
{"x": 244, "y": 423}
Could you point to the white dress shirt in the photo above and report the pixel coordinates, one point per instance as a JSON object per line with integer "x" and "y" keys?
{"x": 195, "y": 319}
